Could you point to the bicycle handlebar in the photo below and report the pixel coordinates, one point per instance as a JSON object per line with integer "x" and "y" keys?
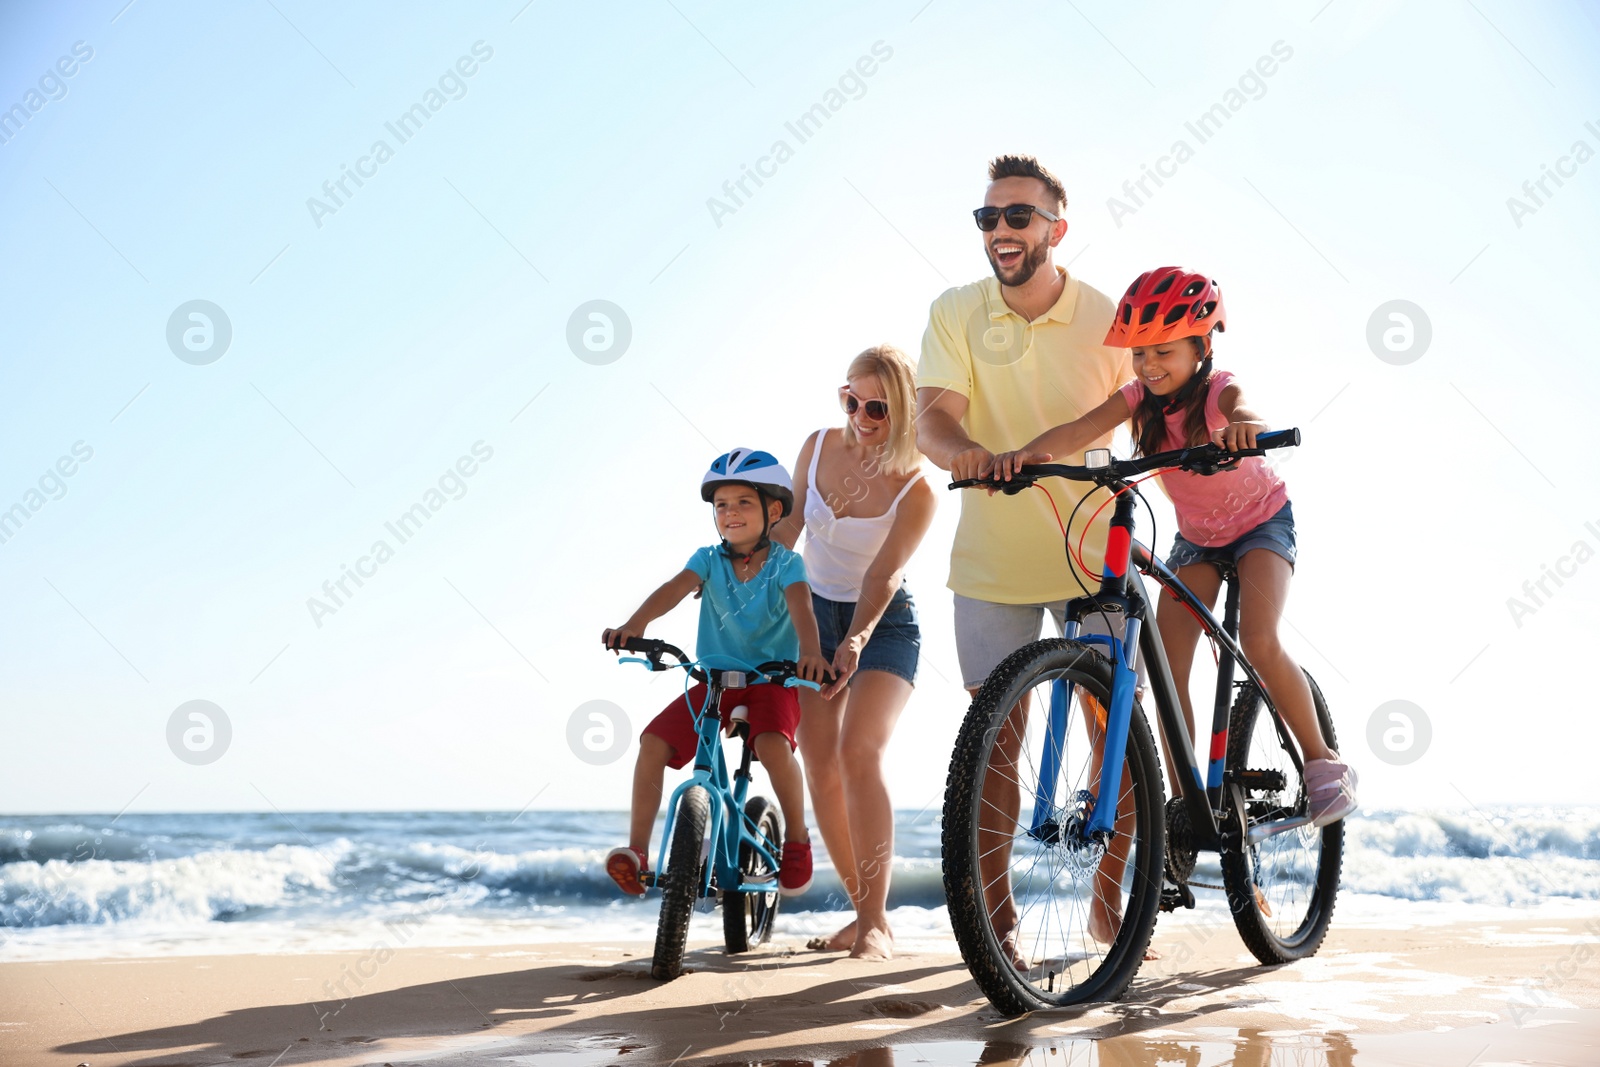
{"x": 654, "y": 650}
{"x": 1203, "y": 459}
{"x": 782, "y": 671}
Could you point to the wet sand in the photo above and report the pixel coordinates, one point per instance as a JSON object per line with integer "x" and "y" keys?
{"x": 1526, "y": 991}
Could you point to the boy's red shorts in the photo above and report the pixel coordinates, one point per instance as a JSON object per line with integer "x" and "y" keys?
{"x": 772, "y": 708}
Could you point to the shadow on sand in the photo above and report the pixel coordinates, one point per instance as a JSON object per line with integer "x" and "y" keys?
{"x": 516, "y": 1014}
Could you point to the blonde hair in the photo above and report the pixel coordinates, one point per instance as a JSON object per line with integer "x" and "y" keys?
{"x": 899, "y": 456}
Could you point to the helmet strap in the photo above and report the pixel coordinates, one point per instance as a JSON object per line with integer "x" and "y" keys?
{"x": 766, "y": 528}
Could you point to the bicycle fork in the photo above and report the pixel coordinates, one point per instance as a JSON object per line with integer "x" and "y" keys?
{"x": 1125, "y": 681}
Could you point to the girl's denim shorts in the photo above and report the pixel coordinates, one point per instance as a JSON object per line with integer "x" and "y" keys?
{"x": 896, "y": 642}
{"x": 1275, "y": 535}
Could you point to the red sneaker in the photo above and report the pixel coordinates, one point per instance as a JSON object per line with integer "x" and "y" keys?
{"x": 794, "y": 875}
{"x": 626, "y": 866}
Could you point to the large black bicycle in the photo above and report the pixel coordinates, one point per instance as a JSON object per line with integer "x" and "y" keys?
{"x": 1060, "y": 847}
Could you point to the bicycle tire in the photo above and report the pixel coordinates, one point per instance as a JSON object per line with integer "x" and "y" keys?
{"x": 680, "y": 884}
{"x": 1295, "y": 872}
{"x": 747, "y": 918}
{"x": 1052, "y": 931}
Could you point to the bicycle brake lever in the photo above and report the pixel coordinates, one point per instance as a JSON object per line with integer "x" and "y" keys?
{"x": 1216, "y": 462}
{"x": 637, "y": 659}
{"x": 790, "y": 683}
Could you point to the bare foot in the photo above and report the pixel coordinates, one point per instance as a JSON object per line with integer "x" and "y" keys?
{"x": 1104, "y": 925}
{"x": 1008, "y": 945}
{"x": 839, "y": 942}
{"x": 873, "y": 943}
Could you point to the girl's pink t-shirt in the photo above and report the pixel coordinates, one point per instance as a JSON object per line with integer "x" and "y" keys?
{"x": 1220, "y": 508}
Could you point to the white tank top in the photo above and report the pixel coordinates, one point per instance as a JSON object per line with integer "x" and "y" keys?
{"x": 838, "y": 550}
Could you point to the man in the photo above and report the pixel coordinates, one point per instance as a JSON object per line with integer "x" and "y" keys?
{"x": 1004, "y": 359}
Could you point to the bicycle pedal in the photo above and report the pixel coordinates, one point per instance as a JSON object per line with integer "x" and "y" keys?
{"x": 1260, "y": 781}
{"x": 1175, "y": 897}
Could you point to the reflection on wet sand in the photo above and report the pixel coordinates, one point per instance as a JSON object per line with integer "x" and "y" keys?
{"x": 1252, "y": 1048}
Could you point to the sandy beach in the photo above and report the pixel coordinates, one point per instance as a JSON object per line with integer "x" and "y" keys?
{"x": 1522, "y": 991}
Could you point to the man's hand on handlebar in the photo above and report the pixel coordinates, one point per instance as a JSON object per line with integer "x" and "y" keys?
{"x": 974, "y": 462}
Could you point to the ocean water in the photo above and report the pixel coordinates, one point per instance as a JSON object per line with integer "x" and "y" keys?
{"x": 74, "y": 886}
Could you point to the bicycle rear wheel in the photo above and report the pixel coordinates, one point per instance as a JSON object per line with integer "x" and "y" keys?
{"x": 680, "y": 885}
{"x": 747, "y": 918}
{"x": 1282, "y": 889}
{"x": 1021, "y": 882}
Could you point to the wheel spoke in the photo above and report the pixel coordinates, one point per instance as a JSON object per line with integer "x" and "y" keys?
{"x": 1283, "y": 886}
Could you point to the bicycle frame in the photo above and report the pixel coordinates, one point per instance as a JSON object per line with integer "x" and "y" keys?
{"x": 730, "y": 827}
{"x": 1122, "y": 592}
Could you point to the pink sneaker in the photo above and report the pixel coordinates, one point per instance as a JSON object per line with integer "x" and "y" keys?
{"x": 1331, "y": 786}
{"x": 794, "y": 873}
{"x": 626, "y": 866}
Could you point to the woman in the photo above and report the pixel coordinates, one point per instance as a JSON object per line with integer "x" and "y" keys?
{"x": 860, "y": 494}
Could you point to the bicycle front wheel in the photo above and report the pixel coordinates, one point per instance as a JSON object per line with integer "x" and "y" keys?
{"x": 680, "y": 884}
{"x": 1281, "y": 889}
{"x": 1043, "y": 916}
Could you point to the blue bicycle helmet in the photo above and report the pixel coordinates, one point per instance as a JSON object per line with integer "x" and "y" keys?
{"x": 760, "y": 471}
{"x": 745, "y": 466}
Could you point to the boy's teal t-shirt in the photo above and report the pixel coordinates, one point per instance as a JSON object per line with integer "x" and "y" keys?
{"x": 743, "y": 624}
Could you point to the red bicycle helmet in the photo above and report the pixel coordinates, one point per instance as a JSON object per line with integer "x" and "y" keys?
{"x": 1165, "y": 304}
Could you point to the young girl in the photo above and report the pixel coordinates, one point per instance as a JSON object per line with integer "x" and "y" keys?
{"x": 1240, "y": 516}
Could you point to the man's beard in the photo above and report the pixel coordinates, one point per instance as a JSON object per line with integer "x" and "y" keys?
{"x": 1033, "y": 257}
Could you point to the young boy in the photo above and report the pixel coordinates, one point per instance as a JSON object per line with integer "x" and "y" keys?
{"x": 755, "y": 606}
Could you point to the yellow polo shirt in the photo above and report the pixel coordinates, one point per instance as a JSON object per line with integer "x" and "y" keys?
{"x": 1021, "y": 378}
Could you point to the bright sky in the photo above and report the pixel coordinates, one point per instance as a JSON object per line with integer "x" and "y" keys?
{"x": 570, "y": 153}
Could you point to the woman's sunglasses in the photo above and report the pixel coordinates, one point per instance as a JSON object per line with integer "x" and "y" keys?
{"x": 877, "y": 410}
{"x": 1017, "y": 216}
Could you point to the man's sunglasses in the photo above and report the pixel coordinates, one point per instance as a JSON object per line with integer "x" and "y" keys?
{"x": 877, "y": 410}
{"x": 1017, "y": 216}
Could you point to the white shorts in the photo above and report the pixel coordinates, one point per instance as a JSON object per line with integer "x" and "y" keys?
{"x": 986, "y": 633}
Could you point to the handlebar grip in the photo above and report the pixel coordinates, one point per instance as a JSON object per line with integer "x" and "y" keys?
{"x": 1279, "y": 438}
{"x": 652, "y": 648}
{"x": 1016, "y": 485}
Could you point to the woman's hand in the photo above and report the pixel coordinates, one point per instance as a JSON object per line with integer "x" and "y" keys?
{"x": 845, "y": 660}
{"x": 1240, "y": 434}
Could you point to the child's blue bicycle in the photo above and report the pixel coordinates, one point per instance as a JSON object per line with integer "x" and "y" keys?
{"x": 1057, "y": 840}
{"x": 740, "y": 863}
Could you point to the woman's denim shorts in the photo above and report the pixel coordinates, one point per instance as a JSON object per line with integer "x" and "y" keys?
{"x": 896, "y": 642}
{"x": 1276, "y": 535}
